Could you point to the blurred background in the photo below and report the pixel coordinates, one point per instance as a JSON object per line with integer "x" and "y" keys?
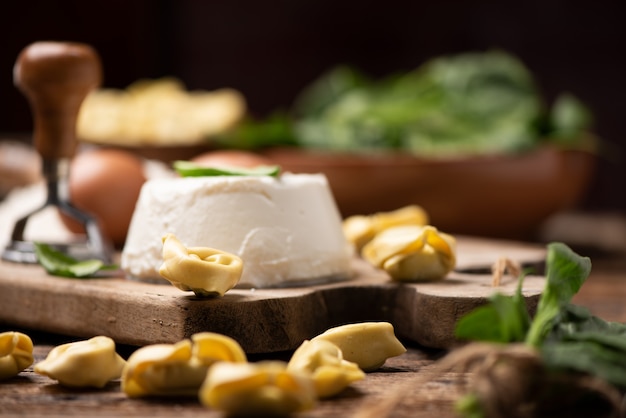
{"x": 269, "y": 51}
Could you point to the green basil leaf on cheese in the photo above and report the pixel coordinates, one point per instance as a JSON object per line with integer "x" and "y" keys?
{"x": 190, "y": 169}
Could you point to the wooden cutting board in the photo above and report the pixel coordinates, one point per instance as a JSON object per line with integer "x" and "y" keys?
{"x": 262, "y": 320}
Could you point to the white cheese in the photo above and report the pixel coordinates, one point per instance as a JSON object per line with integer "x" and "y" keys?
{"x": 287, "y": 230}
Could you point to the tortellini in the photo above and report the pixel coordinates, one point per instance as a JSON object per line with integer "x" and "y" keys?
{"x": 177, "y": 369}
{"x": 153, "y": 112}
{"x": 210, "y": 347}
{"x": 412, "y": 253}
{"x": 368, "y": 344}
{"x": 324, "y": 361}
{"x": 266, "y": 388}
{"x": 360, "y": 229}
{"x": 214, "y": 367}
{"x": 88, "y": 363}
{"x": 205, "y": 271}
{"x": 16, "y": 353}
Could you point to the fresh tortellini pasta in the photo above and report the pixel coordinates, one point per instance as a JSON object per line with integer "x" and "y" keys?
{"x": 89, "y": 363}
{"x": 211, "y": 347}
{"x": 16, "y": 353}
{"x": 412, "y": 253}
{"x": 361, "y": 229}
{"x": 162, "y": 369}
{"x": 324, "y": 361}
{"x": 265, "y": 388}
{"x": 368, "y": 344}
{"x": 158, "y": 112}
{"x": 205, "y": 271}
{"x": 177, "y": 369}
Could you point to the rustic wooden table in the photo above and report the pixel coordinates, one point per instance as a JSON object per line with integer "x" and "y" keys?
{"x": 604, "y": 294}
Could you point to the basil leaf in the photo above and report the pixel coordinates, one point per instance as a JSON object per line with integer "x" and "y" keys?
{"x": 190, "y": 169}
{"x": 566, "y": 273}
{"x": 59, "y": 264}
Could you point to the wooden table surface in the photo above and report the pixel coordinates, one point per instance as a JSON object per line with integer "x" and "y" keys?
{"x": 604, "y": 294}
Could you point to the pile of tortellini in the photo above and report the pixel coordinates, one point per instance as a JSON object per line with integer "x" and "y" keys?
{"x": 215, "y": 368}
{"x": 158, "y": 112}
{"x": 403, "y": 244}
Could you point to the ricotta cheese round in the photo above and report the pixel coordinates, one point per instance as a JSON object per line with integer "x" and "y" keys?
{"x": 287, "y": 229}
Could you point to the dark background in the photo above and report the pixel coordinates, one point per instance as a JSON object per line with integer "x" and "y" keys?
{"x": 270, "y": 50}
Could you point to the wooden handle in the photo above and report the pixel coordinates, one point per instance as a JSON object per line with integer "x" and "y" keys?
{"x": 56, "y": 77}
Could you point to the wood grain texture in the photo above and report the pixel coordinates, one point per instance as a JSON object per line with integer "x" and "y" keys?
{"x": 262, "y": 320}
{"x": 30, "y": 394}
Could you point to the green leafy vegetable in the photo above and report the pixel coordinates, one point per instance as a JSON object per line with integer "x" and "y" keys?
{"x": 252, "y": 134}
{"x": 471, "y": 103}
{"x": 583, "y": 342}
{"x": 60, "y": 264}
{"x": 190, "y": 169}
{"x": 563, "y": 354}
{"x": 469, "y": 406}
{"x": 566, "y": 336}
{"x": 565, "y": 274}
{"x": 466, "y": 103}
{"x": 505, "y": 319}
{"x": 569, "y": 116}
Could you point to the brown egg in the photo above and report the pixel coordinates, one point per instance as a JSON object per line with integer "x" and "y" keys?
{"x": 231, "y": 158}
{"x": 106, "y": 184}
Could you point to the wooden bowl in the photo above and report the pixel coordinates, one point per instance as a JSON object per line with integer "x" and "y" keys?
{"x": 504, "y": 196}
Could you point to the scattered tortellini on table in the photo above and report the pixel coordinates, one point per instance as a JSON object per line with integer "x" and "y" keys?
{"x": 317, "y": 369}
{"x": 88, "y": 363}
{"x": 403, "y": 244}
{"x": 214, "y": 368}
{"x": 16, "y": 353}
{"x": 205, "y": 271}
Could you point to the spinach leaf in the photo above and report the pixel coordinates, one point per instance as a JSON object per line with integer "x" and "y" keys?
{"x": 585, "y": 343}
{"x": 252, "y": 134}
{"x": 482, "y": 324}
{"x": 588, "y": 355}
{"x": 505, "y": 319}
{"x": 190, "y": 169}
{"x": 569, "y": 117}
{"x": 59, "y": 264}
{"x": 577, "y": 321}
{"x": 459, "y": 104}
{"x": 566, "y": 272}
